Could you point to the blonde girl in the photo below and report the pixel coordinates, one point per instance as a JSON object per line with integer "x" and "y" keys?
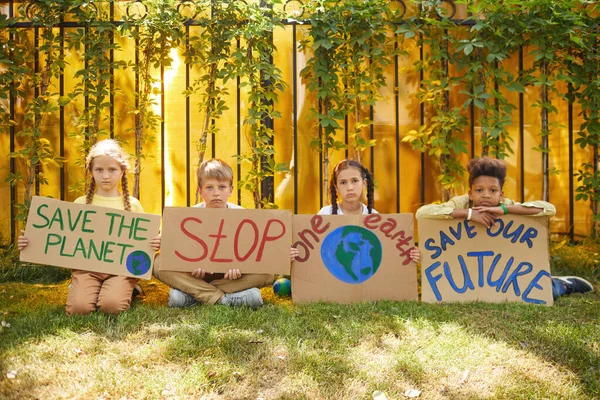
{"x": 106, "y": 169}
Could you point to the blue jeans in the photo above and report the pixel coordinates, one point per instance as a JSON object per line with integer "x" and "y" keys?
{"x": 558, "y": 288}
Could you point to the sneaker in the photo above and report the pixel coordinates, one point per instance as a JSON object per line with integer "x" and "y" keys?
{"x": 138, "y": 291}
{"x": 575, "y": 284}
{"x": 179, "y": 299}
{"x": 249, "y": 297}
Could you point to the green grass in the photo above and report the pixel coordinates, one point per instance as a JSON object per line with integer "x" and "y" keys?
{"x": 282, "y": 351}
{"x": 287, "y": 351}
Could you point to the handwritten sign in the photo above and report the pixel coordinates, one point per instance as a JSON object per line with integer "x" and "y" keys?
{"x": 350, "y": 258}
{"x": 217, "y": 240}
{"x": 463, "y": 261}
{"x": 90, "y": 238}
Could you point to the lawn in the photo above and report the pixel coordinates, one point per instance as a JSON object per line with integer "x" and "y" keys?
{"x": 286, "y": 351}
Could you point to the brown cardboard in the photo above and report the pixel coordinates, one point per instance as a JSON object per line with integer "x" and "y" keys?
{"x": 518, "y": 243}
{"x": 219, "y": 239}
{"x": 90, "y": 238}
{"x": 318, "y": 239}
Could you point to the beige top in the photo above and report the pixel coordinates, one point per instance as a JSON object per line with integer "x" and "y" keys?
{"x": 443, "y": 210}
{"x": 112, "y": 202}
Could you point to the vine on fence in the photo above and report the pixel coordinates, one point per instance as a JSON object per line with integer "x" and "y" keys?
{"x": 349, "y": 45}
{"x": 350, "y": 51}
{"x": 480, "y": 58}
{"x": 209, "y": 53}
{"x": 95, "y": 43}
{"x": 156, "y": 27}
{"x": 36, "y": 151}
{"x": 440, "y": 136}
{"x": 253, "y": 61}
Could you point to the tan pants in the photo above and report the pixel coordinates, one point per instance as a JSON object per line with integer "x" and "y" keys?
{"x": 89, "y": 291}
{"x": 210, "y": 289}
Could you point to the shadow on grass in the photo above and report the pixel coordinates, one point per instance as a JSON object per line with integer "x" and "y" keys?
{"x": 315, "y": 339}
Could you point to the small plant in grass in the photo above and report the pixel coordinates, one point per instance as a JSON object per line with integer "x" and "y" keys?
{"x": 582, "y": 259}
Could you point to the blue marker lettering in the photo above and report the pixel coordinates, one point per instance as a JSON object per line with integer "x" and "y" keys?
{"x": 480, "y": 255}
{"x": 468, "y": 283}
{"x": 512, "y": 279}
{"x": 433, "y": 279}
{"x": 430, "y": 247}
{"x": 534, "y": 284}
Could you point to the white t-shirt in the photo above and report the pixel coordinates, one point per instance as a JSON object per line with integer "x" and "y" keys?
{"x": 327, "y": 210}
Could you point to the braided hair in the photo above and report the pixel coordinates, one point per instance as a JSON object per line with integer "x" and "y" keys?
{"x": 111, "y": 148}
{"x": 366, "y": 175}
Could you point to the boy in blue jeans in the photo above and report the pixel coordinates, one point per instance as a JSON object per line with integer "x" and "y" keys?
{"x": 215, "y": 184}
{"x": 485, "y": 202}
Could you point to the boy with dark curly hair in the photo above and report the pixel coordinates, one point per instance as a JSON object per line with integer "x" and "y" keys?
{"x": 485, "y": 202}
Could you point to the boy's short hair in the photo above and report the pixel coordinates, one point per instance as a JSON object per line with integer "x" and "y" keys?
{"x": 486, "y": 166}
{"x": 215, "y": 168}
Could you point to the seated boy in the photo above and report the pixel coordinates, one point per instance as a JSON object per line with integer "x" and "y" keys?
{"x": 485, "y": 202}
{"x": 215, "y": 184}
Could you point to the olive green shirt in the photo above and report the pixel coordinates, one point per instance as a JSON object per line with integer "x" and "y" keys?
{"x": 443, "y": 210}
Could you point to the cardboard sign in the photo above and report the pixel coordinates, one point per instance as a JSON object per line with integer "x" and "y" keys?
{"x": 350, "y": 258}
{"x": 90, "y": 238}
{"x": 219, "y": 239}
{"x": 464, "y": 261}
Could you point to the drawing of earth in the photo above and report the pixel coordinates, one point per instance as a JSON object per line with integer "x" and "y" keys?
{"x": 351, "y": 253}
{"x": 138, "y": 262}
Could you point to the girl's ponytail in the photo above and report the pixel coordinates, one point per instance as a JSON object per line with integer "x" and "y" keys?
{"x": 333, "y": 191}
{"x": 89, "y": 195}
{"x": 125, "y": 187}
{"x": 370, "y": 190}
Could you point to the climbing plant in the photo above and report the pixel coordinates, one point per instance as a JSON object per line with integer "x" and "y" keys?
{"x": 95, "y": 44}
{"x": 348, "y": 47}
{"x": 440, "y": 135}
{"x": 157, "y": 28}
{"x": 262, "y": 81}
{"x": 39, "y": 78}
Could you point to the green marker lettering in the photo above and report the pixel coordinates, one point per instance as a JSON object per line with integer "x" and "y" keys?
{"x": 49, "y": 243}
{"x": 112, "y": 220}
{"x": 86, "y": 220}
{"x": 138, "y": 228}
{"x": 38, "y": 212}
{"x": 129, "y": 227}
{"x": 73, "y": 225}
{"x": 107, "y": 251}
{"x": 80, "y": 247}
{"x": 97, "y": 253}
{"x": 123, "y": 247}
{"x": 58, "y": 218}
{"x": 62, "y": 248}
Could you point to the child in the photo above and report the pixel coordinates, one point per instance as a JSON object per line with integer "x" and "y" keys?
{"x": 215, "y": 184}
{"x": 107, "y": 165}
{"x": 485, "y": 202}
{"x": 349, "y": 179}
